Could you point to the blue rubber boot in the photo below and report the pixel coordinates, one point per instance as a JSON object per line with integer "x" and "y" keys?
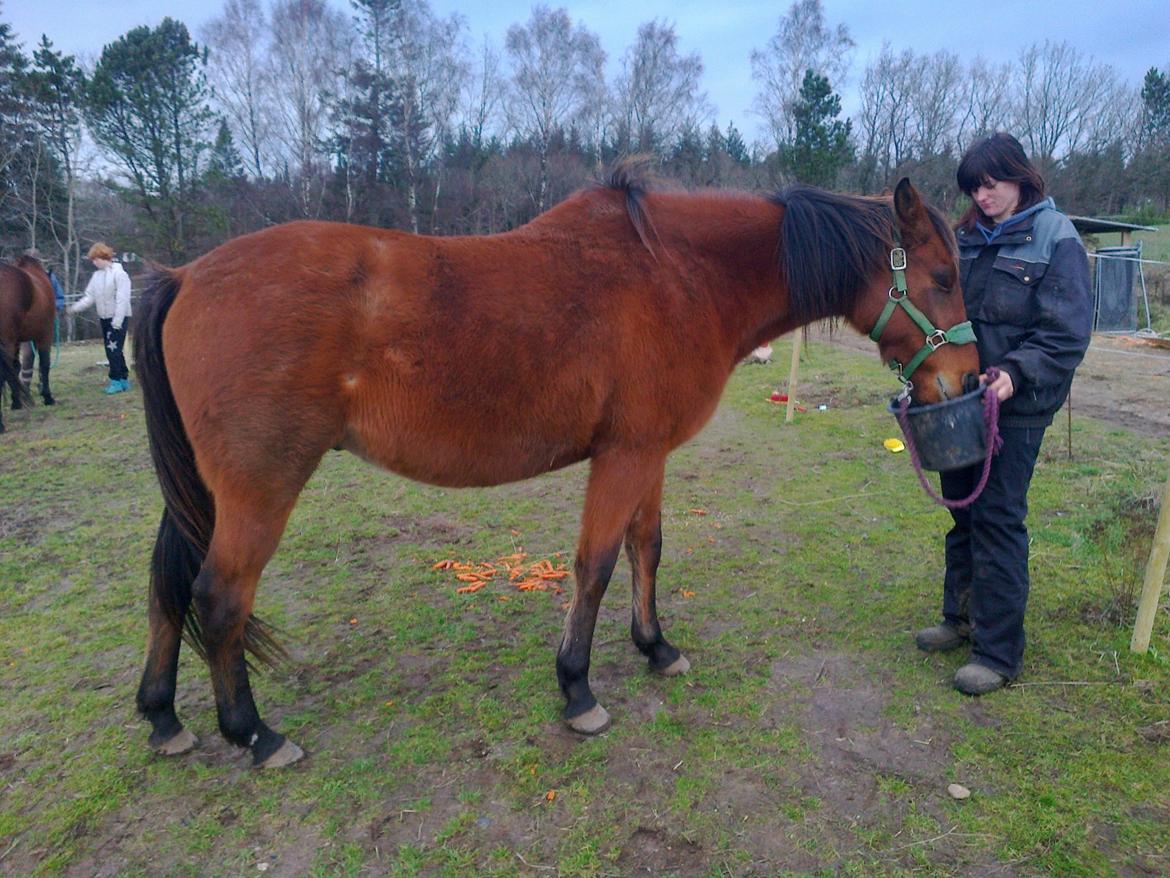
{"x": 114, "y": 386}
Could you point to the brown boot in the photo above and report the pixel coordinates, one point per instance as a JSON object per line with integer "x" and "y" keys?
{"x": 974, "y": 679}
{"x": 943, "y": 637}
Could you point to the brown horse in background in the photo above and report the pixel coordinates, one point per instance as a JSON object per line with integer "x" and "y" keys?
{"x": 605, "y": 329}
{"x": 28, "y": 310}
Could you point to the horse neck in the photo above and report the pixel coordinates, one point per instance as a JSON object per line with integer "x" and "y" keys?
{"x": 732, "y": 239}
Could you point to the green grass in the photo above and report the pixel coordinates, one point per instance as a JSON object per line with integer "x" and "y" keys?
{"x": 809, "y": 739}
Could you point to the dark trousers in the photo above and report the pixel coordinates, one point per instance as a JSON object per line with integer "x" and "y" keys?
{"x": 986, "y": 582}
{"x": 115, "y": 344}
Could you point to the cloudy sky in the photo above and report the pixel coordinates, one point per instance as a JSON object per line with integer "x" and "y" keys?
{"x": 1131, "y": 35}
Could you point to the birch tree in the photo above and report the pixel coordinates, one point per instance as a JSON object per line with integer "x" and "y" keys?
{"x": 658, "y": 91}
{"x": 555, "y": 70}
{"x": 237, "y": 42}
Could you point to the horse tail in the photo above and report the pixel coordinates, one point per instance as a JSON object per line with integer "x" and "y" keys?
{"x": 188, "y": 520}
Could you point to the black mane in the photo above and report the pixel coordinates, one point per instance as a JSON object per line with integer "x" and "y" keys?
{"x": 829, "y": 246}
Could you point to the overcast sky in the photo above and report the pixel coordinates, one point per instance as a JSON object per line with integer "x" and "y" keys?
{"x": 1130, "y": 35}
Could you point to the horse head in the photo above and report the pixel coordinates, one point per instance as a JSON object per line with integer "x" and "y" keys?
{"x": 914, "y": 308}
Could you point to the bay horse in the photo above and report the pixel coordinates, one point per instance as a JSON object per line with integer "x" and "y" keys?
{"x": 28, "y": 310}
{"x": 605, "y": 329}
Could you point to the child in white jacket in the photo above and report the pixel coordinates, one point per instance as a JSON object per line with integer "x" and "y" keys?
{"x": 109, "y": 291}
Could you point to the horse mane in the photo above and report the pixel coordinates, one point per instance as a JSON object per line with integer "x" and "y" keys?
{"x": 830, "y": 243}
{"x": 634, "y": 177}
{"x": 26, "y": 261}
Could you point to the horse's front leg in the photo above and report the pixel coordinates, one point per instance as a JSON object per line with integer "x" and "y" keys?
{"x": 44, "y": 358}
{"x": 617, "y": 482}
{"x": 644, "y": 549}
{"x": 26, "y": 364}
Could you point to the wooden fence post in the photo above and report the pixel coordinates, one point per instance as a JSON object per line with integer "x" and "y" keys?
{"x": 796, "y": 336}
{"x": 1155, "y": 575}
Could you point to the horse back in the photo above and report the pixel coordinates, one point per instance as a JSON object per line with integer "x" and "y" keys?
{"x": 456, "y": 361}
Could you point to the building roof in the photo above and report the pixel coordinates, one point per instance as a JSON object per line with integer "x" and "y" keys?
{"x": 1090, "y": 224}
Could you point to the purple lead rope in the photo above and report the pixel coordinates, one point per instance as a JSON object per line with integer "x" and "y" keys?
{"x": 994, "y": 443}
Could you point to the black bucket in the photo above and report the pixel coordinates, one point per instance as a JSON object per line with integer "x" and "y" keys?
{"x": 947, "y": 435}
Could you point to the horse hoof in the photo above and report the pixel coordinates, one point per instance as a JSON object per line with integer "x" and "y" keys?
{"x": 50, "y": 400}
{"x": 178, "y": 744}
{"x": 594, "y": 721}
{"x": 679, "y": 666}
{"x": 287, "y": 754}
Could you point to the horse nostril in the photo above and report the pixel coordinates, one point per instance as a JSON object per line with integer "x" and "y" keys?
{"x": 970, "y": 382}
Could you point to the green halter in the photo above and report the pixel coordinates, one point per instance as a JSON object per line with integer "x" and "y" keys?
{"x": 961, "y": 333}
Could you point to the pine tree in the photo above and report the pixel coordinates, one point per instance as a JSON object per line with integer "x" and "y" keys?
{"x": 821, "y": 145}
{"x": 1156, "y": 108}
{"x": 16, "y": 136}
{"x": 147, "y": 107}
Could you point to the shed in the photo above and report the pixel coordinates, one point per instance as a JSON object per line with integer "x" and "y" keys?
{"x": 1117, "y": 276}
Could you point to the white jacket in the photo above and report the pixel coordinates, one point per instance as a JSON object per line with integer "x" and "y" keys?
{"x": 109, "y": 291}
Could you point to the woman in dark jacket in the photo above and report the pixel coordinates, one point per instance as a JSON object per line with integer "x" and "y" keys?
{"x": 1025, "y": 280}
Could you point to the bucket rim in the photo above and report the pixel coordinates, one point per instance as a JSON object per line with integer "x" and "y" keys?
{"x": 895, "y": 405}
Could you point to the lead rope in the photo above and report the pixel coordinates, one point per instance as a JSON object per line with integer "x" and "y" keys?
{"x": 994, "y": 443}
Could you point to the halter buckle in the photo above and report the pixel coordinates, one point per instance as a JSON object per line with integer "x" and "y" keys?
{"x": 898, "y": 259}
{"x": 937, "y": 339}
{"x": 897, "y": 295}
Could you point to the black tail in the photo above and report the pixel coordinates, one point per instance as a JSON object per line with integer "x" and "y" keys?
{"x": 189, "y": 518}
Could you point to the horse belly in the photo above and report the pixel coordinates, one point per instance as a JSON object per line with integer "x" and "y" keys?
{"x": 439, "y": 432}
{"x": 457, "y": 454}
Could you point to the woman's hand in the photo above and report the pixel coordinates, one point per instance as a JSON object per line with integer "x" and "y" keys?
{"x": 1002, "y": 386}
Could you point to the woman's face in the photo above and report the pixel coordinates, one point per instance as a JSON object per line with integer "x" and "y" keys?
{"x": 100, "y": 264}
{"x": 998, "y": 199}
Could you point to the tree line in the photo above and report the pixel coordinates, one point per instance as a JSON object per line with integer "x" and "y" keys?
{"x": 387, "y": 115}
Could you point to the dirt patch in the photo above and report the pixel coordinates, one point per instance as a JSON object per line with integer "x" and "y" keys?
{"x": 1123, "y": 380}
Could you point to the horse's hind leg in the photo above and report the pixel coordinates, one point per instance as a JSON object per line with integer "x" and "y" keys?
{"x": 223, "y": 593}
{"x": 644, "y": 549}
{"x": 173, "y": 567}
{"x": 12, "y": 372}
{"x": 617, "y": 482}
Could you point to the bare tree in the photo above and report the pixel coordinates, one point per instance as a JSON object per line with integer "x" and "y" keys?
{"x": 237, "y": 42}
{"x": 936, "y": 83}
{"x": 885, "y": 123}
{"x": 657, "y": 90}
{"x": 482, "y": 96}
{"x": 803, "y": 41}
{"x": 555, "y": 71}
{"x": 1060, "y": 93}
{"x": 307, "y": 57}
{"x": 984, "y": 102}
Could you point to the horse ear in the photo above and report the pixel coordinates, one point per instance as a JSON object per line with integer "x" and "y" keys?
{"x": 913, "y": 220}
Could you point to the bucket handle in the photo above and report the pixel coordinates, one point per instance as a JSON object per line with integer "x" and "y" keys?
{"x": 994, "y": 442}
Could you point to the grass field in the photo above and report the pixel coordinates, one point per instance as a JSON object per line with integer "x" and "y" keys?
{"x": 810, "y": 737}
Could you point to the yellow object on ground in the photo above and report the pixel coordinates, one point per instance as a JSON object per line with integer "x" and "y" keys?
{"x": 894, "y": 445}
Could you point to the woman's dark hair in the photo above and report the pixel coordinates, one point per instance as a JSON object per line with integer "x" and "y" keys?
{"x": 998, "y": 157}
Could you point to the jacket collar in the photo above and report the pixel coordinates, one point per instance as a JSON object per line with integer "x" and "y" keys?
{"x": 1015, "y": 230}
